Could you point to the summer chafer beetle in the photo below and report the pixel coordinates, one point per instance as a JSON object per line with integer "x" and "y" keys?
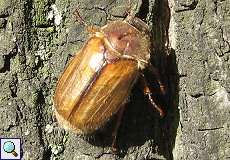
{"x": 98, "y": 80}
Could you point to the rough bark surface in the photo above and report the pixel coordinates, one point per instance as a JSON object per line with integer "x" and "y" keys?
{"x": 200, "y": 39}
{"x": 38, "y": 38}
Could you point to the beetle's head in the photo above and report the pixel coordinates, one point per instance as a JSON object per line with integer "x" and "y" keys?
{"x": 129, "y": 37}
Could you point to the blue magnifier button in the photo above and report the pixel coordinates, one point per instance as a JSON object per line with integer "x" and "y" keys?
{"x": 9, "y": 147}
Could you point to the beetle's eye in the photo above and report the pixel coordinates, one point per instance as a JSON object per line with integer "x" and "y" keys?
{"x": 122, "y": 36}
{"x": 128, "y": 33}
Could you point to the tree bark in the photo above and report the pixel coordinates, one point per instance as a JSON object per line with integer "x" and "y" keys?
{"x": 201, "y": 43}
{"x": 38, "y": 38}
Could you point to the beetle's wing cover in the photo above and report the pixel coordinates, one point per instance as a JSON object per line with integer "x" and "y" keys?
{"x": 88, "y": 92}
{"x": 77, "y": 76}
{"x": 106, "y": 95}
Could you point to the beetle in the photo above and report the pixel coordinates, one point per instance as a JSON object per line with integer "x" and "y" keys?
{"x": 98, "y": 80}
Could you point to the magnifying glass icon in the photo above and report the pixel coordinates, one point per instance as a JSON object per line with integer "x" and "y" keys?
{"x": 9, "y": 147}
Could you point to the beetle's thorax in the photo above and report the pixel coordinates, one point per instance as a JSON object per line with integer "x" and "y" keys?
{"x": 127, "y": 39}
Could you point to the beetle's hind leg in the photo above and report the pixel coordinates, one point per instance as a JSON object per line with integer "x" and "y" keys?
{"x": 148, "y": 93}
{"x": 117, "y": 125}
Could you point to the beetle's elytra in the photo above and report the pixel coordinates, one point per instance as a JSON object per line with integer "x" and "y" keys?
{"x": 98, "y": 80}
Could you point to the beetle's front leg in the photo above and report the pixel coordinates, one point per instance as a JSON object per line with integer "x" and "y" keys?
{"x": 148, "y": 93}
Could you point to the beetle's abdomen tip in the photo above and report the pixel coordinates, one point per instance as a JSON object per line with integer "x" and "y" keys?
{"x": 66, "y": 124}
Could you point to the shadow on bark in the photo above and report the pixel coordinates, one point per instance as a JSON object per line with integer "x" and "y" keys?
{"x": 165, "y": 59}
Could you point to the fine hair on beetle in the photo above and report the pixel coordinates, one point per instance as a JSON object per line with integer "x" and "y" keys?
{"x": 97, "y": 82}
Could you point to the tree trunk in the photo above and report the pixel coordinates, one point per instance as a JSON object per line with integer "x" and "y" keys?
{"x": 200, "y": 38}
{"x": 38, "y": 38}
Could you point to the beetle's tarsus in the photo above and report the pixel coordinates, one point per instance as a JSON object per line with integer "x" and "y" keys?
{"x": 161, "y": 112}
{"x": 162, "y": 88}
{"x": 114, "y": 145}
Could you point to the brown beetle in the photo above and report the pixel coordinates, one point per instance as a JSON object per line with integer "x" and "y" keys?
{"x": 98, "y": 80}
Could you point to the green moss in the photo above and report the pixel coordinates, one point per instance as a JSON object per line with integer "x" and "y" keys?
{"x": 34, "y": 96}
{"x": 45, "y": 71}
{"x": 4, "y": 4}
{"x": 15, "y": 65}
{"x": 41, "y": 11}
{"x": 6, "y": 43}
{"x": 50, "y": 29}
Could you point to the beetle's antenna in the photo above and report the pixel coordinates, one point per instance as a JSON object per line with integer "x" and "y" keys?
{"x": 78, "y": 17}
{"x": 129, "y": 9}
{"x": 90, "y": 29}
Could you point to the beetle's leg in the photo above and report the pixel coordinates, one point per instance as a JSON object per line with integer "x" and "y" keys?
{"x": 90, "y": 29}
{"x": 156, "y": 73}
{"x": 148, "y": 93}
{"x": 118, "y": 123}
